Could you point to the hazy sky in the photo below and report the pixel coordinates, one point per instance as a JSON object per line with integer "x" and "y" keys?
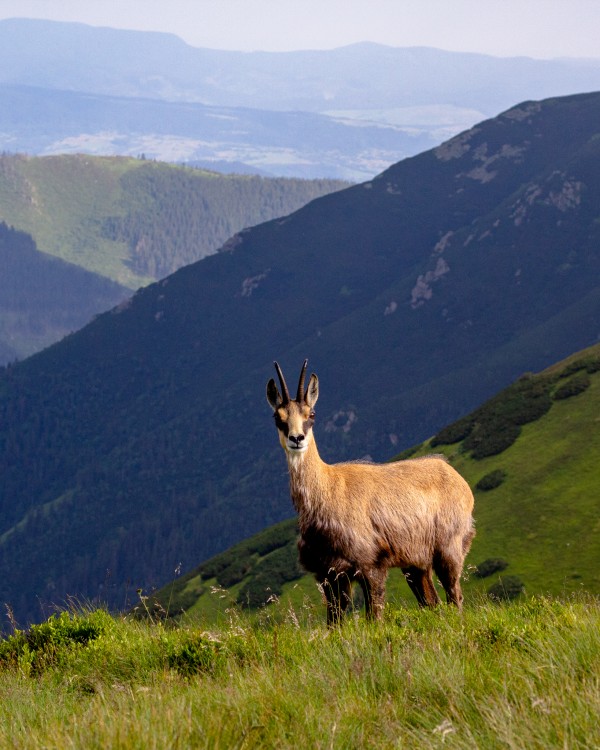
{"x": 536, "y": 28}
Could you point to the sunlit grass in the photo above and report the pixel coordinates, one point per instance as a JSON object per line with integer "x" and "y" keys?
{"x": 524, "y": 675}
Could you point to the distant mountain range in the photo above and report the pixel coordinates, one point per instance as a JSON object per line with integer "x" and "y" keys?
{"x": 144, "y": 440}
{"x": 127, "y": 222}
{"x": 345, "y": 113}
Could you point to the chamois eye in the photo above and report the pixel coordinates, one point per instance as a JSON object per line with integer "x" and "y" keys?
{"x": 312, "y": 415}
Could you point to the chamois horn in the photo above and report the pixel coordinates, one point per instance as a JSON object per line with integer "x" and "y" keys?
{"x": 285, "y": 394}
{"x": 300, "y": 394}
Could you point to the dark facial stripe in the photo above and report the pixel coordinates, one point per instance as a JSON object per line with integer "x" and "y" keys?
{"x": 281, "y": 425}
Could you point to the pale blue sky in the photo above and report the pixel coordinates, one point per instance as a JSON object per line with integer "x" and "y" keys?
{"x": 535, "y": 28}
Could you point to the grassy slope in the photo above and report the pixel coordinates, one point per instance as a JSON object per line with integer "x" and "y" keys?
{"x": 543, "y": 519}
{"x": 523, "y": 675}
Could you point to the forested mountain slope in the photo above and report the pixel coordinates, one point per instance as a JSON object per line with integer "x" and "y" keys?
{"x": 144, "y": 440}
{"x": 135, "y": 221}
{"x": 43, "y": 298}
{"x": 119, "y": 223}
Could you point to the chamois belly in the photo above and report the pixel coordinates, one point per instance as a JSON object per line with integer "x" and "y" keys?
{"x": 322, "y": 552}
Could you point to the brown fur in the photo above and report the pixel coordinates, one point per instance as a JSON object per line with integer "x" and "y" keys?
{"x": 357, "y": 520}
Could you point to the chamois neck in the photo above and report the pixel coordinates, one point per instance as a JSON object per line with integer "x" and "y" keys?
{"x": 308, "y": 477}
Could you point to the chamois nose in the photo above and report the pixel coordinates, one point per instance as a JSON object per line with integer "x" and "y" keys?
{"x": 297, "y": 439}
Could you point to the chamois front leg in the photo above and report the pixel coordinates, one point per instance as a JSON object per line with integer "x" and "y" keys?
{"x": 448, "y": 568}
{"x": 373, "y": 586}
{"x": 422, "y": 586}
{"x": 337, "y": 588}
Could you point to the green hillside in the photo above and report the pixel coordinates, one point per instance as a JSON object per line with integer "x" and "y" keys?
{"x": 530, "y": 456}
{"x": 134, "y": 220}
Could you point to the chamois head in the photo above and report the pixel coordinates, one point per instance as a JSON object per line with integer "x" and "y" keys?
{"x": 294, "y": 417}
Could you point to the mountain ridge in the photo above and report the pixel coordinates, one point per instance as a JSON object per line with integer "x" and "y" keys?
{"x": 296, "y": 144}
{"x": 126, "y": 221}
{"x": 190, "y": 68}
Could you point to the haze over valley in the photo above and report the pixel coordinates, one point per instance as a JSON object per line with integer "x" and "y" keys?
{"x": 344, "y": 113}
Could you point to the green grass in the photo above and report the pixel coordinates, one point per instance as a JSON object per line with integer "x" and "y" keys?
{"x": 544, "y": 517}
{"x": 521, "y": 675}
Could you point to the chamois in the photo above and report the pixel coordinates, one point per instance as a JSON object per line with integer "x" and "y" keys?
{"x": 357, "y": 520}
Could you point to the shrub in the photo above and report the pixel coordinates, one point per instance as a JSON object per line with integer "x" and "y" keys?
{"x": 198, "y": 653}
{"x": 408, "y": 452}
{"x": 455, "y": 432}
{"x": 491, "y": 481}
{"x": 240, "y": 556}
{"x": 234, "y": 572}
{"x": 40, "y": 646}
{"x": 506, "y": 588}
{"x": 576, "y": 385}
{"x": 491, "y": 438}
{"x": 212, "y": 567}
{"x": 593, "y": 365}
{"x": 531, "y": 408}
{"x": 572, "y": 368}
{"x": 589, "y": 364}
{"x": 490, "y": 566}
{"x": 494, "y": 427}
{"x": 274, "y": 538}
{"x": 524, "y": 402}
{"x": 276, "y": 569}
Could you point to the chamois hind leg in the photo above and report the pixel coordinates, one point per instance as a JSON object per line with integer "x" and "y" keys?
{"x": 448, "y": 568}
{"x": 337, "y": 588}
{"x": 422, "y": 586}
{"x": 373, "y": 586}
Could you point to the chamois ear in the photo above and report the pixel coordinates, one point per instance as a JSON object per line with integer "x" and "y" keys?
{"x": 273, "y": 395}
{"x": 312, "y": 391}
